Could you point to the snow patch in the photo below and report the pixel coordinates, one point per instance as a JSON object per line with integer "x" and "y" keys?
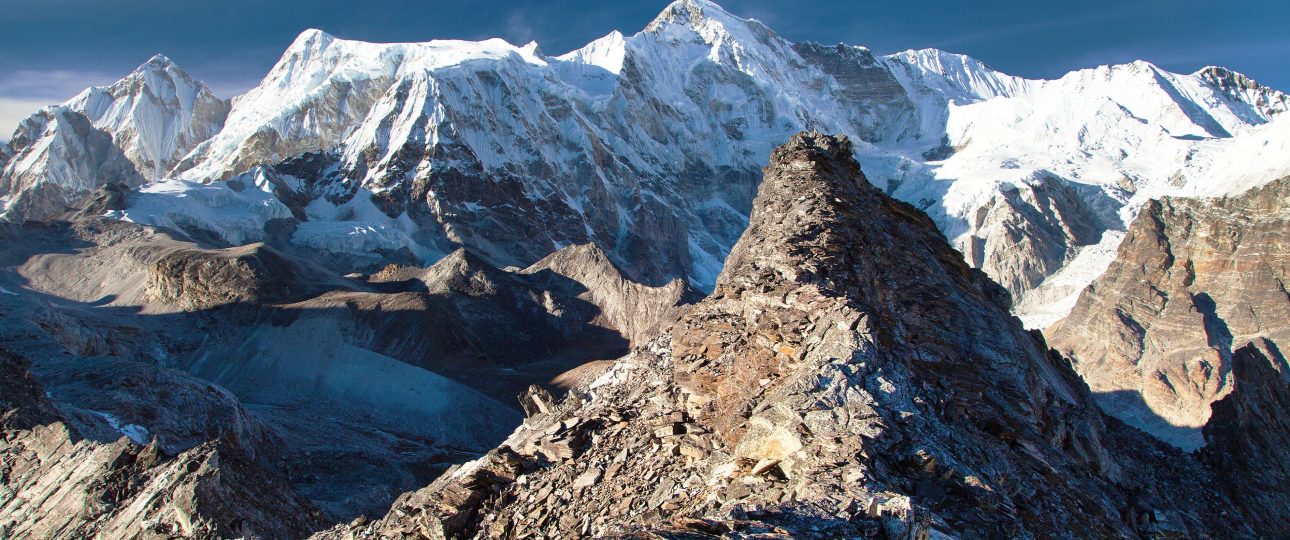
{"x": 135, "y": 432}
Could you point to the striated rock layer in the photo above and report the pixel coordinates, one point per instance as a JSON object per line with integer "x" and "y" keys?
{"x": 1193, "y": 280}
{"x": 849, "y": 376}
{"x": 56, "y": 484}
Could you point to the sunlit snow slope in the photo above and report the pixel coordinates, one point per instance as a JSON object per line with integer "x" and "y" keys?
{"x": 650, "y": 146}
{"x": 132, "y": 132}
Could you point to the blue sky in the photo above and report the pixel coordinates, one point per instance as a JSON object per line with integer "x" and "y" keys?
{"x": 54, "y": 48}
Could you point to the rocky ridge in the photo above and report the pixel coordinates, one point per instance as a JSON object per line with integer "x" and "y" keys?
{"x": 849, "y": 376}
{"x": 58, "y": 484}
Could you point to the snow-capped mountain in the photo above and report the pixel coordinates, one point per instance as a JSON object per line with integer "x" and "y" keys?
{"x": 132, "y": 131}
{"x": 56, "y": 154}
{"x": 651, "y": 145}
{"x": 156, "y": 114}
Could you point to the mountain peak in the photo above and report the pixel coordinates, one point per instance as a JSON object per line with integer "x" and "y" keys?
{"x": 1227, "y": 78}
{"x": 692, "y": 13}
{"x": 532, "y": 49}
{"x": 607, "y": 52}
{"x": 158, "y": 64}
{"x": 811, "y": 181}
{"x": 159, "y": 60}
{"x": 158, "y": 68}
{"x": 311, "y": 38}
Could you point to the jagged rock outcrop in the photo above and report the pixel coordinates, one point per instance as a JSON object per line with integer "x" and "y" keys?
{"x": 850, "y": 376}
{"x": 131, "y": 132}
{"x": 56, "y": 484}
{"x": 1248, "y": 437}
{"x": 630, "y": 308}
{"x": 1193, "y": 280}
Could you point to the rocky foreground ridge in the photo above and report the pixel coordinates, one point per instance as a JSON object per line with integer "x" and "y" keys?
{"x": 58, "y": 484}
{"x": 850, "y": 376}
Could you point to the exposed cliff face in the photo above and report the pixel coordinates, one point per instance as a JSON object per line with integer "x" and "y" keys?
{"x": 1029, "y": 232}
{"x": 1248, "y": 437}
{"x": 60, "y": 485}
{"x": 1194, "y": 280}
{"x": 849, "y": 375}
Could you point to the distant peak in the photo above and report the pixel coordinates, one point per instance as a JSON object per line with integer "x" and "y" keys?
{"x": 311, "y": 37}
{"x": 1143, "y": 64}
{"x": 160, "y": 60}
{"x": 606, "y": 52}
{"x": 692, "y": 12}
{"x": 159, "y": 65}
{"x": 932, "y": 56}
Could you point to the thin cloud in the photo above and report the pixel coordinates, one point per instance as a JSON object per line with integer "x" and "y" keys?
{"x": 56, "y": 85}
{"x": 519, "y": 30}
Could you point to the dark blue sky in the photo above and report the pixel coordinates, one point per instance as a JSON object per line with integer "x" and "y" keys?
{"x": 53, "y": 48}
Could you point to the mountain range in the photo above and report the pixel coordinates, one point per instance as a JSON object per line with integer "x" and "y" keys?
{"x": 378, "y": 237}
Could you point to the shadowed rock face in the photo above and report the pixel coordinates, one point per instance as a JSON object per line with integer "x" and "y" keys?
{"x": 1248, "y": 437}
{"x": 849, "y": 376}
{"x": 57, "y": 484}
{"x": 633, "y": 309}
{"x": 353, "y": 389}
{"x": 1027, "y": 233}
{"x": 1194, "y": 280}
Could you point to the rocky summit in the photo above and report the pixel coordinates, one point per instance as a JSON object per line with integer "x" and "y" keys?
{"x": 850, "y": 376}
